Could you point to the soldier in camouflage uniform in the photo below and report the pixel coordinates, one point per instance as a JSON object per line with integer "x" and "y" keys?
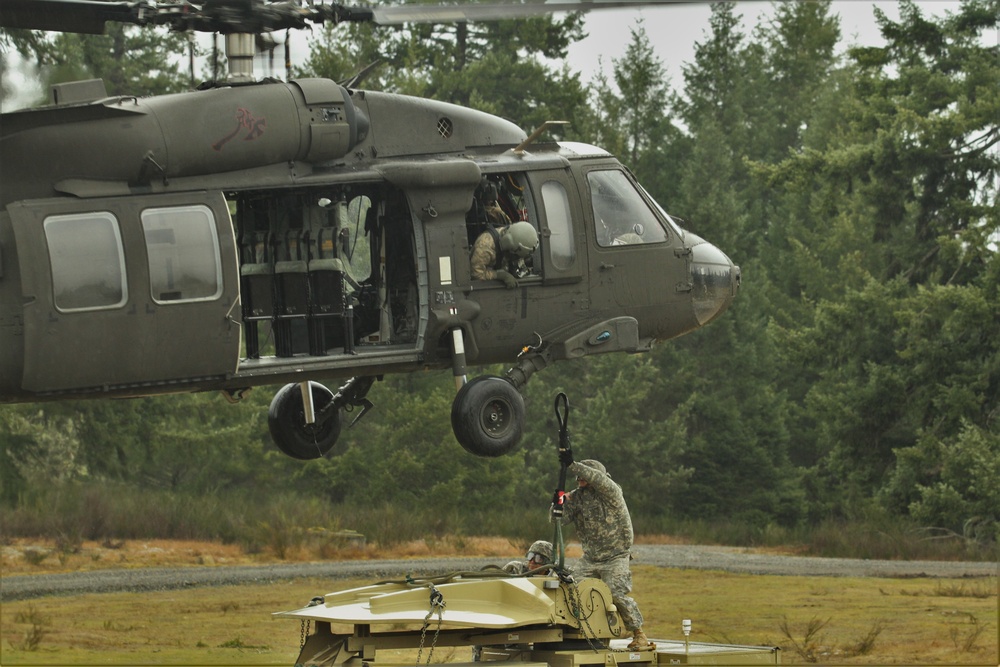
{"x": 539, "y": 555}
{"x": 597, "y": 508}
{"x": 495, "y": 249}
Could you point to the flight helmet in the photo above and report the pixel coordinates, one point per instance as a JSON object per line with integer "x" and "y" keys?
{"x": 520, "y": 238}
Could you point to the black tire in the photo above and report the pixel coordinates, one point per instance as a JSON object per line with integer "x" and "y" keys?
{"x": 286, "y": 420}
{"x": 488, "y": 416}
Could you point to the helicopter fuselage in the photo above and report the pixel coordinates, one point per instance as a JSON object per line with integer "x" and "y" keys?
{"x": 283, "y": 232}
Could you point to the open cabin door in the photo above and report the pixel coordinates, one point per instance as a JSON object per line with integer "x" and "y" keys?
{"x": 127, "y": 294}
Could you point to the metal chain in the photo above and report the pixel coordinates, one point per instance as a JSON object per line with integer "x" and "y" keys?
{"x": 305, "y": 631}
{"x": 436, "y": 604}
{"x": 576, "y": 606}
{"x": 305, "y": 624}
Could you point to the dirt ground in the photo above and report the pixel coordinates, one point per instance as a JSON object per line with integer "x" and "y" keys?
{"x": 39, "y": 556}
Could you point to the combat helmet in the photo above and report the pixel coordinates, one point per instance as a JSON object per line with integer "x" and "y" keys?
{"x": 540, "y": 548}
{"x": 520, "y": 238}
{"x": 594, "y": 465}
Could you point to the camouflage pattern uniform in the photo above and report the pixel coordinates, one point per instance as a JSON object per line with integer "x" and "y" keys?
{"x": 604, "y": 527}
{"x": 515, "y": 567}
{"x": 484, "y": 258}
{"x": 484, "y": 250}
{"x": 495, "y": 215}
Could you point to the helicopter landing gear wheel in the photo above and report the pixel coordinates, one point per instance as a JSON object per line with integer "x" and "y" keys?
{"x": 286, "y": 420}
{"x": 488, "y": 416}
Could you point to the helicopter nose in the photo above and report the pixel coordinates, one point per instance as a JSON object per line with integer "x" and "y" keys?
{"x": 715, "y": 281}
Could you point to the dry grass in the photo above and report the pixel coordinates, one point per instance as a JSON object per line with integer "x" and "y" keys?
{"x": 47, "y": 556}
{"x": 41, "y": 556}
{"x": 828, "y": 620}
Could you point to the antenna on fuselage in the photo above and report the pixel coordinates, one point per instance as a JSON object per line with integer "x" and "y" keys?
{"x": 537, "y": 133}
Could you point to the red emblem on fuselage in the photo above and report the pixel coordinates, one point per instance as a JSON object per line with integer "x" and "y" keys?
{"x": 244, "y": 121}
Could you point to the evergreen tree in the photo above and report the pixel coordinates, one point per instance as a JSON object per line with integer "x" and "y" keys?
{"x": 643, "y": 94}
{"x": 633, "y": 117}
{"x": 716, "y": 83}
{"x": 495, "y": 66}
{"x": 340, "y": 52}
{"x": 799, "y": 57}
{"x": 911, "y": 169}
{"x": 931, "y": 104}
{"x": 899, "y": 354}
{"x": 718, "y": 110}
{"x": 749, "y": 102}
{"x": 130, "y": 60}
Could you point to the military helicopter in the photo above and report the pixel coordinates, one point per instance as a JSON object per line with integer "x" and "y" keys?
{"x": 266, "y": 232}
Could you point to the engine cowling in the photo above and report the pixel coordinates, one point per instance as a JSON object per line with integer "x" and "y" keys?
{"x": 135, "y": 140}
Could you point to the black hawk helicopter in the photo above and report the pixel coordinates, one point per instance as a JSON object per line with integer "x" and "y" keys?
{"x": 258, "y": 233}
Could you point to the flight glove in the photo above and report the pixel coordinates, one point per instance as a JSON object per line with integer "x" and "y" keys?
{"x": 509, "y": 281}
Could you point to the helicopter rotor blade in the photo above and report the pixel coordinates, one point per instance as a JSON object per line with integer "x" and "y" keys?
{"x": 498, "y": 11}
{"x": 221, "y": 16}
{"x": 257, "y": 16}
{"x": 82, "y": 16}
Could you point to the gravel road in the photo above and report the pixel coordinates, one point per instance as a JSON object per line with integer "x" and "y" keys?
{"x": 729, "y": 559}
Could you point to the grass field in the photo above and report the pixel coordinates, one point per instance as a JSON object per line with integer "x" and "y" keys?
{"x": 814, "y": 620}
{"x": 820, "y": 620}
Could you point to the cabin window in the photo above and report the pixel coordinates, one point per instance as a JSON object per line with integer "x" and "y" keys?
{"x": 356, "y": 246}
{"x": 561, "y": 246}
{"x": 183, "y": 254}
{"x": 87, "y": 260}
{"x": 621, "y": 214}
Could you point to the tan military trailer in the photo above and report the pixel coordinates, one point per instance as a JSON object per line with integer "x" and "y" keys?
{"x": 538, "y": 621}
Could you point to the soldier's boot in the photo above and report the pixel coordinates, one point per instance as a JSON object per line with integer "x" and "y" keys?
{"x": 639, "y": 641}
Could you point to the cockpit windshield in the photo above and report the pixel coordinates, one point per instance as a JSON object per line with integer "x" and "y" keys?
{"x": 671, "y": 223}
{"x": 621, "y": 214}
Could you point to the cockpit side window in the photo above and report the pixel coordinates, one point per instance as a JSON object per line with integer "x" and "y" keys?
{"x": 87, "y": 260}
{"x": 562, "y": 248}
{"x": 621, "y": 215}
{"x": 500, "y": 200}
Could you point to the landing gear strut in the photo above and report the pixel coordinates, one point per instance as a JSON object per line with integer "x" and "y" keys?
{"x": 293, "y": 433}
{"x": 305, "y": 419}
